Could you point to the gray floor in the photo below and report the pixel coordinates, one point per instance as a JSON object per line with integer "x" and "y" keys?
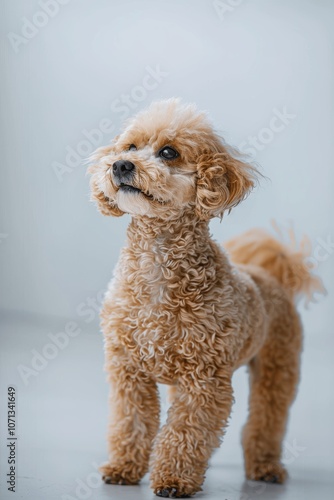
{"x": 62, "y": 418}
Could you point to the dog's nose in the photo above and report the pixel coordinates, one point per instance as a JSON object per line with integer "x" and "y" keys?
{"x": 122, "y": 168}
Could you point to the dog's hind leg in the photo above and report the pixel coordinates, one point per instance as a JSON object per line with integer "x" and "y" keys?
{"x": 172, "y": 393}
{"x": 274, "y": 375}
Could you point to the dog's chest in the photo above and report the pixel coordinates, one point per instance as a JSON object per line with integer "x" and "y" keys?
{"x": 156, "y": 329}
{"x": 170, "y": 334}
{"x": 167, "y": 309}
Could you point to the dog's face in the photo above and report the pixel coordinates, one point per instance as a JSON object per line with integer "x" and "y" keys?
{"x": 168, "y": 158}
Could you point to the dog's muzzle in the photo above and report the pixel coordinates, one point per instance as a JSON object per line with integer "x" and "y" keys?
{"x": 123, "y": 170}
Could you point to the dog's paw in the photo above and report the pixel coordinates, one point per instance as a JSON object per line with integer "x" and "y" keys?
{"x": 269, "y": 472}
{"x": 166, "y": 493}
{"x": 115, "y": 474}
{"x": 174, "y": 487}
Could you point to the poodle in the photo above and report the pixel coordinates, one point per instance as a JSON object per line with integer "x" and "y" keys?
{"x": 182, "y": 311}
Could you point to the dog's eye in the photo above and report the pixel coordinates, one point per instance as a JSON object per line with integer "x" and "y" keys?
{"x": 168, "y": 153}
{"x": 132, "y": 147}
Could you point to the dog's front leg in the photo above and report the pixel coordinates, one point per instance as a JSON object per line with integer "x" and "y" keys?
{"x": 133, "y": 425}
{"x": 184, "y": 445}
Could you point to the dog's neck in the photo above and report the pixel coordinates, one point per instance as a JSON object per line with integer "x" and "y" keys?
{"x": 164, "y": 259}
{"x": 163, "y": 256}
{"x": 186, "y": 231}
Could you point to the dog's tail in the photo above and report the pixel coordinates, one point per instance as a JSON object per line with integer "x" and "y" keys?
{"x": 286, "y": 262}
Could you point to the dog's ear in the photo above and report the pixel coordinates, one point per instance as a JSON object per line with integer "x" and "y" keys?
{"x": 223, "y": 181}
{"x": 98, "y": 169}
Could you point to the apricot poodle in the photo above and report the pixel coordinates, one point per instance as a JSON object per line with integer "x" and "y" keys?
{"x": 181, "y": 311}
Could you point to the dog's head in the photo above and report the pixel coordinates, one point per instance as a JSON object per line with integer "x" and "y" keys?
{"x": 169, "y": 158}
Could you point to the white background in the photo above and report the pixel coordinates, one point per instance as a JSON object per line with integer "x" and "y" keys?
{"x": 242, "y": 64}
{"x": 261, "y": 56}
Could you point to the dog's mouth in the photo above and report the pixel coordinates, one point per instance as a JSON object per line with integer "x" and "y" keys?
{"x": 128, "y": 188}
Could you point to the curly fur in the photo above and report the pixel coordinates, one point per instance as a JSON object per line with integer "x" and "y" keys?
{"x": 179, "y": 312}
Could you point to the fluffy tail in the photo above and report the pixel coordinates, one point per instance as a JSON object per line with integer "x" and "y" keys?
{"x": 286, "y": 262}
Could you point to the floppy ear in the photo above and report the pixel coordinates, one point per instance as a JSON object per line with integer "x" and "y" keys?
{"x": 223, "y": 181}
{"x": 98, "y": 170}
